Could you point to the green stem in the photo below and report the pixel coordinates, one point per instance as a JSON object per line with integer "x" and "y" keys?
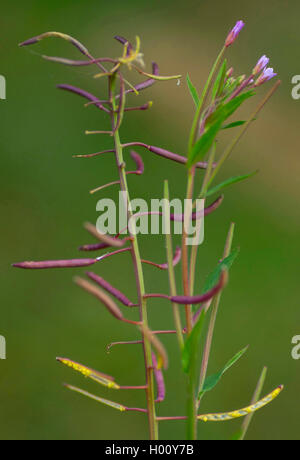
{"x": 171, "y": 271}
{"x": 213, "y": 317}
{"x": 153, "y": 425}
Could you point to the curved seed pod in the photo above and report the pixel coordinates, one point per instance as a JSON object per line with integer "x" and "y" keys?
{"x": 106, "y": 402}
{"x": 192, "y": 300}
{"x": 125, "y": 43}
{"x": 103, "y": 379}
{"x": 108, "y": 240}
{"x": 146, "y": 106}
{"x": 159, "y": 377}
{"x": 167, "y": 154}
{"x": 70, "y": 263}
{"x": 180, "y": 217}
{"x": 222, "y": 417}
{"x": 176, "y": 260}
{"x": 66, "y": 37}
{"x": 100, "y": 295}
{"x": 83, "y": 93}
{"x": 139, "y": 163}
{"x": 145, "y": 84}
{"x": 93, "y": 247}
{"x": 109, "y": 288}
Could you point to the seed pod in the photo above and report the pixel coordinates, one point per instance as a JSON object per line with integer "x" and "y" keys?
{"x": 56, "y": 264}
{"x": 100, "y": 295}
{"x": 109, "y": 288}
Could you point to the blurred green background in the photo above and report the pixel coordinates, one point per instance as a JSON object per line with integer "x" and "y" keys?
{"x": 45, "y": 200}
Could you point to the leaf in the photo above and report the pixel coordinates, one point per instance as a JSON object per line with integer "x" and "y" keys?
{"x": 219, "y": 82}
{"x": 234, "y": 124}
{"x": 213, "y": 124}
{"x": 215, "y": 275}
{"x": 213, "y": 380}
{"x": 189, "y": 351}
{"x": 230, "y": 181}
{"x": 193, "y": 91}
{"x": 204, "y": 143}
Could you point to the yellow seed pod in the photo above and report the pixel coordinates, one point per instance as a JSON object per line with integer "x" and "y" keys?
{"x": 102, "y": 379}
{"x": 224, "y": 416}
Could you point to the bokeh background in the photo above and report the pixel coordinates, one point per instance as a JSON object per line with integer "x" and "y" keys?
{"x": 45, "y": 200}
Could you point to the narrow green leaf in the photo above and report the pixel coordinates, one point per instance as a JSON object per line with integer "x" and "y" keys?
{"x": 219, "y": 82}
{"x": 215, "y": 275}
{"x": 189, "y": 351}
{"x": 193, "y": 91}
{"x": 212, "y": 126}
{"x": 234, "y": 124}
{"x": 230, "y": 181}
{"x": 204, "y": 143}
{"x": 213, "y": 380}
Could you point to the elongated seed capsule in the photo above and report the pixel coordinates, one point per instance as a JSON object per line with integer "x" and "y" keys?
{"x": 56, "y": 264}
{"x": 109, "y": 240}
{"x": 224, "y": 416}
{"x": 176, "y": 260}
{"x": 99, "y": 377}
{"x": 92, "y": 155}
{"x": 66, "y": 37}
{"x": 124, "y": 41}
{"x": 192, "y": 300}
{"x": 93, "y": 247}
{"x": 83, "y": 93}
{"x": 121, "y": 106}
{"x": 109, "y": 288}
{"x": 138, "y": 161}
{"x": 166, "y": 154}
{"x": 100, "y": 295}
{"x": 106, "y": 402}
{"x": 159, "y": 377}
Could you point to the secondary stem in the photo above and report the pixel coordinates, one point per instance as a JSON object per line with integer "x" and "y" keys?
{"x": 153, "y": 425}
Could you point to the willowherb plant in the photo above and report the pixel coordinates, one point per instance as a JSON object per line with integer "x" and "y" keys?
{"x": 221, "y": 97}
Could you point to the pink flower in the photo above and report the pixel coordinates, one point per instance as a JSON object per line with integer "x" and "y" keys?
{"x": 234, "y": 33}
{"x": 266, "y": 75}
{"x": 261, "y": 65}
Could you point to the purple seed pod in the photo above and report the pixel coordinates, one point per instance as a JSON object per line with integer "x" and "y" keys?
{"x": 68, "y": 38}
{"x": 70, "y": 263}
{"x": 146, "y": 106}
{"x": 161, "y": 389}
{"x": 93, "y": 247}
{"x": 109, "y": 288}
{"x": 194, "y": 300}
{"x": 124, "y": 42}
{"x": 77, "y": 63}
{"x": 166, "y": 154}
{"x": 145, "y": 84}
{"x": 139, "y": 163}
{"x": 100, "y": 295}
{"x": 176, "y": 260}
{"x": 83, "y": 93}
